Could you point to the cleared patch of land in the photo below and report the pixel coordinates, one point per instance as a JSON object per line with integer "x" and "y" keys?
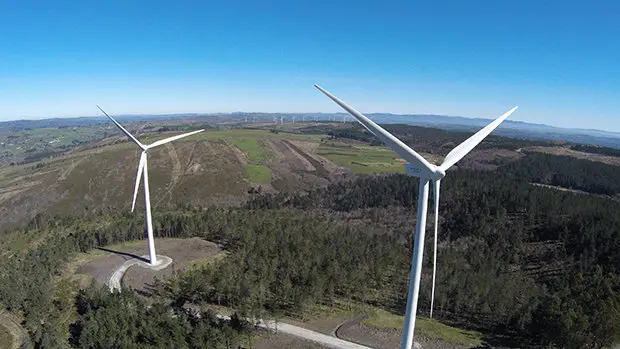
{"x": 184, "y": 253}
{"x": 6, "y": 339}
{"x": 327, "y": 318}
{"x": 384, "y": 330}
{"x": 565, "y": 151}
{"x": 489, "y": 159}
{"x": 11, "y": 333}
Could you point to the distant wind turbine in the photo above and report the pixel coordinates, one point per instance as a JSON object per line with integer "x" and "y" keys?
{"x": 143, "y": 170}
{"x": 417, "y": 166}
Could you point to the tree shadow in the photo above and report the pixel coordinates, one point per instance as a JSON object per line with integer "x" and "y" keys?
{"x": 126, "y": 254}
{"x": 149, "y": 290}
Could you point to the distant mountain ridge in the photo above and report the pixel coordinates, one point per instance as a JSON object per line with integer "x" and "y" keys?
{"x": 516, "y": 129}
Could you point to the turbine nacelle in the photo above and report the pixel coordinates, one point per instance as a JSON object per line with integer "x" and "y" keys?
{"x": 412, "y": 170}
{"x": 438, "y": 174}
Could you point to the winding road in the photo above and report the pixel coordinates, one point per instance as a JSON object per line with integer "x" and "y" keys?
{"x": 115, "y": 280}
{"x": 323, "y": 339}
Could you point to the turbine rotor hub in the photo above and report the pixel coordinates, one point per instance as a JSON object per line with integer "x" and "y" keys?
{"x": 438, "y": 174}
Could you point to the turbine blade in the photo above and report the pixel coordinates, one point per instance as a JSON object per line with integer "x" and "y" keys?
{"x": 170, "y": 139}
{"x": 138, "y": 176}
{"x": 396, "y": 144}
{"x": 123, "y": 129}
{"x": 436, "y": 187}
{"x": 464, "y": 148}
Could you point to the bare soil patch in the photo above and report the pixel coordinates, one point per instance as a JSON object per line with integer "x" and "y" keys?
{"x": 289, "y": 170}
{"x": 12, "y": 335}
{"x": 282, "y": 340}
{"x": 294, "y": 168}
{"x": 323, "y": 324}
{"x": 182, "y": 252}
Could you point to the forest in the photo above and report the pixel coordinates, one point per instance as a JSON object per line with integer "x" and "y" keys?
{"x": 567, "y": 172}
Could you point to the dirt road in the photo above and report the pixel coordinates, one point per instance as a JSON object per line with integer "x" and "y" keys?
{"x": 323, "y": 339}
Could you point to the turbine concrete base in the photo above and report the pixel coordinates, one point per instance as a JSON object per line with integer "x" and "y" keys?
{"x": 115, "y": 280}
{"x": 162, "y": 262}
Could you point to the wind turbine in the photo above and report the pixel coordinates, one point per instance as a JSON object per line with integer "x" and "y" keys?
{"x": 417, "y": 166}
{"x": 144, "y": 170}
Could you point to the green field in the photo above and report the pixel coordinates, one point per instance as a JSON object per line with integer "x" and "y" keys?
{"x": 258, "y": 173}
{"x": 427, "y": 328}
{"x": 251, "y": 146}
{"x": 361, "y": 158}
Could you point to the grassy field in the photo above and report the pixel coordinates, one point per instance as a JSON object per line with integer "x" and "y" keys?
{"x": 361, "y": 158}
{"x": 252, "y": 148}
{"x": 427, "y": 328}
{"x": 258, "y": 174}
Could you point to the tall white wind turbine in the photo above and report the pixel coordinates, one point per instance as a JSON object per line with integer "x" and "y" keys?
{"x": 417, "y": 166}
{"x": 144, "y": 171}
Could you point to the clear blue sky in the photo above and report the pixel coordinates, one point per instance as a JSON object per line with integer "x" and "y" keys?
{"x": 558, "y": 60}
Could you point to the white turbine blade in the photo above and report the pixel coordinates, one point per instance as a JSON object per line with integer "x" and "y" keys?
{"x": 436, "y": 187}
{"x": 464, "y": 148}
{"x": 138, "y": 176}
{"x": 123, "y": 129}
{"x": 396, "y": 144}
{"x": 170, "y": 139}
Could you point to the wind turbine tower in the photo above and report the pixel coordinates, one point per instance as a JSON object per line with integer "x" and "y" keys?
{"x": 417, "y": 166}
{"x": 143, "y": 170}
